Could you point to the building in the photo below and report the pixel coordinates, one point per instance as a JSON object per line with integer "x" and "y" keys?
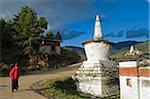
{"x": 134, "y": 79}
{"x": 96, "y": 76}
{"x": 50, "y": 46}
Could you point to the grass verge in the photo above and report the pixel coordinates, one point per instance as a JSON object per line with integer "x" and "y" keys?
{"x": 62, "y": 88}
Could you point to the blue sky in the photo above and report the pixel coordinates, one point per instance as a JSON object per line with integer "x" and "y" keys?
{"x": 122, "y": 20}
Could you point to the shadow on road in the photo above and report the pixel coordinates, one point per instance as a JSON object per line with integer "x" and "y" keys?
{"x": 3, "y": 85}
{"x": 22, "y": 90}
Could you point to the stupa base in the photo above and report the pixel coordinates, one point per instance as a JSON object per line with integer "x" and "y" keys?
{"x": 99, "y": 79}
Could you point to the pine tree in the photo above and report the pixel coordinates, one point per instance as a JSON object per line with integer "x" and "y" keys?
{"x": 28, "y": 27}
{"x": 58, "y": 36}
{"x": 6, "y": 36}
{"x": 50, "y": 35}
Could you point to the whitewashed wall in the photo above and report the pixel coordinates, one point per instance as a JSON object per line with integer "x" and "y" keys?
{"x": 128, "y": 64}
{"x": 96, "y": 51}
{"x": 128, "y": 92}
{"x": 139, "y": 90}
{"x": 140, "y": 86}
{"x": 144, "y": 87}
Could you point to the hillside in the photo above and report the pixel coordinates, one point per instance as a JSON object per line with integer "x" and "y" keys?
{"x": 142, "y": 46}
{"x": 124, "y": 45}
{"x": 78, "y": 50}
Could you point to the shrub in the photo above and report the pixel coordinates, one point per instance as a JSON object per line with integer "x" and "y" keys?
{"x": 4, "y": 72}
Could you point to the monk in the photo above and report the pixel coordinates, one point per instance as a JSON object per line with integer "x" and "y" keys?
{"x": 14, "y": 75}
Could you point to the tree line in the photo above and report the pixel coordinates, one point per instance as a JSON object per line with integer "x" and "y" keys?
{"x": 23, "y": 32}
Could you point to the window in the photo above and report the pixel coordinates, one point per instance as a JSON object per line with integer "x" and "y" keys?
{"x": 43, "y": 42}
{"x": 128, "y": 82}
{"x": 146, "y": 83}
{"x": 53, "y": 48}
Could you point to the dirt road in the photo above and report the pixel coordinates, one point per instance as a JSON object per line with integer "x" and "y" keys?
{"x": 26, "y": 81}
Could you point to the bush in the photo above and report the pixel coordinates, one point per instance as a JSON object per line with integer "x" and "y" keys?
{"x": 4, "y": 69}
{"x": 4, "y": 72}
{"x": 23, "y": 70}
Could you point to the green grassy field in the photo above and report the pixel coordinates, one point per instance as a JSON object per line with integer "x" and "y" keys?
{"x": 63, "y": 88}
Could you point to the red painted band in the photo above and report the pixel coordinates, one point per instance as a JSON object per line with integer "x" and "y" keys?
{"x": 133, "y": 71}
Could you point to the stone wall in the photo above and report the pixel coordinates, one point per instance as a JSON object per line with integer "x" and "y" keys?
{"x": 110, "y": 86}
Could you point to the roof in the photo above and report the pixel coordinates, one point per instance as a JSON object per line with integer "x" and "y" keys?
{"x": 99, "y": 40}
{"x": 50, "y": 40}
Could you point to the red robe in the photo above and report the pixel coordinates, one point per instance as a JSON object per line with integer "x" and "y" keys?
{"x": 14, "y": 73}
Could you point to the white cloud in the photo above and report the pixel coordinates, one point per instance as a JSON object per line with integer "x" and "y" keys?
{"x": 148, "y": 1}
{"x": 58, "y": 12}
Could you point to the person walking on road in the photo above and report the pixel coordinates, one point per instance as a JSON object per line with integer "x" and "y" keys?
{"x": 14, "y": 75}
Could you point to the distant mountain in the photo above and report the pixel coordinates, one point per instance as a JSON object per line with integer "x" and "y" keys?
{"x": 141, "y": 46}
{"x": 120, "y": 48}
{"x": 124, "y": 45}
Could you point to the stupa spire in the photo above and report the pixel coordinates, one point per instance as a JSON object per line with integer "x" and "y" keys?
{"x": 97, "y": 29}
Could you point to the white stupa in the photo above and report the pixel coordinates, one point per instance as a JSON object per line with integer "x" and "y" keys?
{"x": 133, "y": 52}
{"x": 97, "y": 71}
{"x": 96, "y": 49}
{"x": 131, "y": 49}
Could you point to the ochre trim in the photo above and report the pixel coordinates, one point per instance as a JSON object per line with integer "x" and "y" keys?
{"x": 144, "y": 72}
{"x": 134, "y": 71}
